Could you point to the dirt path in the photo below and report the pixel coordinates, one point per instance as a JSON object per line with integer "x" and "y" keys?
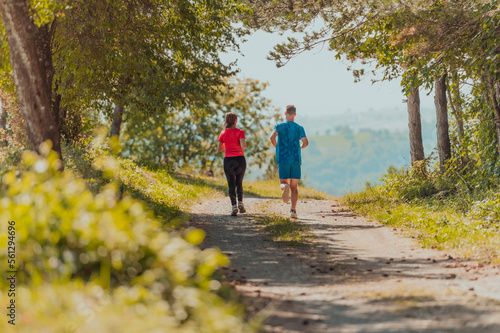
{"x": 358, "y": 276}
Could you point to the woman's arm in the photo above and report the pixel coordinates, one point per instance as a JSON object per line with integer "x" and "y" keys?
{"x": 243, "y": 144}
{"x": 221, "y": 146}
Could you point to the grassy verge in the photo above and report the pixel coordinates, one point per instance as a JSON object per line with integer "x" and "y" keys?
{"x": 271, "y": 188}
{"x": 105, "y": 252}
{"x": 281, "y": 230}
{"x": 102, "y": 244}
{"x": 166, "y": 193}
{"x": 260, "y": 188}
{"x": 284, "y": 230}
{"x": 435, "y": 223}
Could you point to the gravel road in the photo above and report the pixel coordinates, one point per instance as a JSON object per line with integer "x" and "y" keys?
{"x": 355, "y": 276}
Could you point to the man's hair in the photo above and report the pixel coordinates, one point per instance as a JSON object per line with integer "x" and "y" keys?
{"x": 290, "y": 109}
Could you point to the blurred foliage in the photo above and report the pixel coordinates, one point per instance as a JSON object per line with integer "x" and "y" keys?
{"x": 187, "y": 138}
{"x": 86, "y": 260}
{"x": 14, "y": 133}
{"x": 78, "y": 124}
{"x": 87, "y": 307}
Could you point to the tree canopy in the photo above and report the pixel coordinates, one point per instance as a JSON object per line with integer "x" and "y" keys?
{"x": 417, "y": 42}
{"x": 147, "y": 55}
{"x": 187, "y": 137}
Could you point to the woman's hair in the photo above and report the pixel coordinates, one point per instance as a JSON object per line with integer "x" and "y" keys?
{"x": 230, "y": 119}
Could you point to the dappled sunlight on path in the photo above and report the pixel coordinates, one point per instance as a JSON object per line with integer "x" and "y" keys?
{"x": 354, "y": 276}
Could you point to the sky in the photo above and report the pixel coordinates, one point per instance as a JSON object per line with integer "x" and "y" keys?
{"x": 315, "y": 82}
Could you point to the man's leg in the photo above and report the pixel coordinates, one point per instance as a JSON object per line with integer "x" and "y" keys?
{"x": 283, "y": 181}
{"x": 285, "y": 188}
{"x": 284, "y": 173}
{"x": 294, "y": 183}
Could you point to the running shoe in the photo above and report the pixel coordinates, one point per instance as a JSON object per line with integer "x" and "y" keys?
{"x": 286, "y": 192}
{"x": 293, "y": 213}
{"x": 241, "y": 207}
{"x": 234, "y": 211}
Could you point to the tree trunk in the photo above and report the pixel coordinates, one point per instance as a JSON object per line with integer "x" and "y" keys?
{"x": 3, "y": 119}
{"x": 456, "y": 109}
{"x": 3, "y": 123}
{"x": 443, "y": 136}
{"x": 415, "y": 126}
{"x": 31, "y": 60}
{"x": 117, "y": 120}
{"x": 56, "y": 109}
{"x": 486, "y": 100}
{"x": 496, "y": 108}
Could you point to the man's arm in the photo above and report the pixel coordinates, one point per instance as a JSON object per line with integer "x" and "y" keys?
{"x": 273, "y": 138}
{"x": 305, "y": 142}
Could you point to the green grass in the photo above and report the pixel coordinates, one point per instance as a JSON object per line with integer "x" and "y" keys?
{"x": 271, "y": 188}
{"x": 105, "y": 251}
{"x": 167, "y": 194}
{"x": 284, "y": 230}
{"x": 433, "y": 223}
{"x": 261, "y": 188}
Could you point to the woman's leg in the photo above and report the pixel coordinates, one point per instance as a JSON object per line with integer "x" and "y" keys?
{"x": 242, "y": 165}
{"x": 229, "y": 170}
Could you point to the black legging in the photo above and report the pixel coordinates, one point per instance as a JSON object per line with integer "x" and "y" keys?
{"x": 234, "y": 168}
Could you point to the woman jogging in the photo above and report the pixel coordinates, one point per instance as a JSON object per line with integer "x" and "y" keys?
{"x": 232, "y": 140}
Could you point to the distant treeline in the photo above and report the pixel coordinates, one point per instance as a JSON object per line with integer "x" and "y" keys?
{"x": 343, "y": 162}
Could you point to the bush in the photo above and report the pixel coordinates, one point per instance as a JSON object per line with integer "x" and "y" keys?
{"x": 76, "y": 247}
{"x": 409, "y": 184}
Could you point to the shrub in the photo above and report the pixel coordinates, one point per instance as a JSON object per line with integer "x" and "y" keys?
{"x": 406, "y": 185}
{"x": 73, "y": 244}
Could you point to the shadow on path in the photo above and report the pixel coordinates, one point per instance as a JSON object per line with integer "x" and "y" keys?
{"x": 357, "y": 276}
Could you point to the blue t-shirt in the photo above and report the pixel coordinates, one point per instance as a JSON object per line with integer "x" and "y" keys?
{"x": 288, "y": 147}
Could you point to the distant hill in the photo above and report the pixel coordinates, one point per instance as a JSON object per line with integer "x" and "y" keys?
{"x": 392, "y": 119}
{"x": 340, "y": 163}
{"x": 349, "y": 149}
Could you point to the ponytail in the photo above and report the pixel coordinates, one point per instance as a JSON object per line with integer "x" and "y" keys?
{"x": 230, "y": 120}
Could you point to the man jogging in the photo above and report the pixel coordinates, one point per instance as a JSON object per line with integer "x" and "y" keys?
{"x": 291, "y": 138}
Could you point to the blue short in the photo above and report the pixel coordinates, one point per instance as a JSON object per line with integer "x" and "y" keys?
{"x": 287, "y": 171}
